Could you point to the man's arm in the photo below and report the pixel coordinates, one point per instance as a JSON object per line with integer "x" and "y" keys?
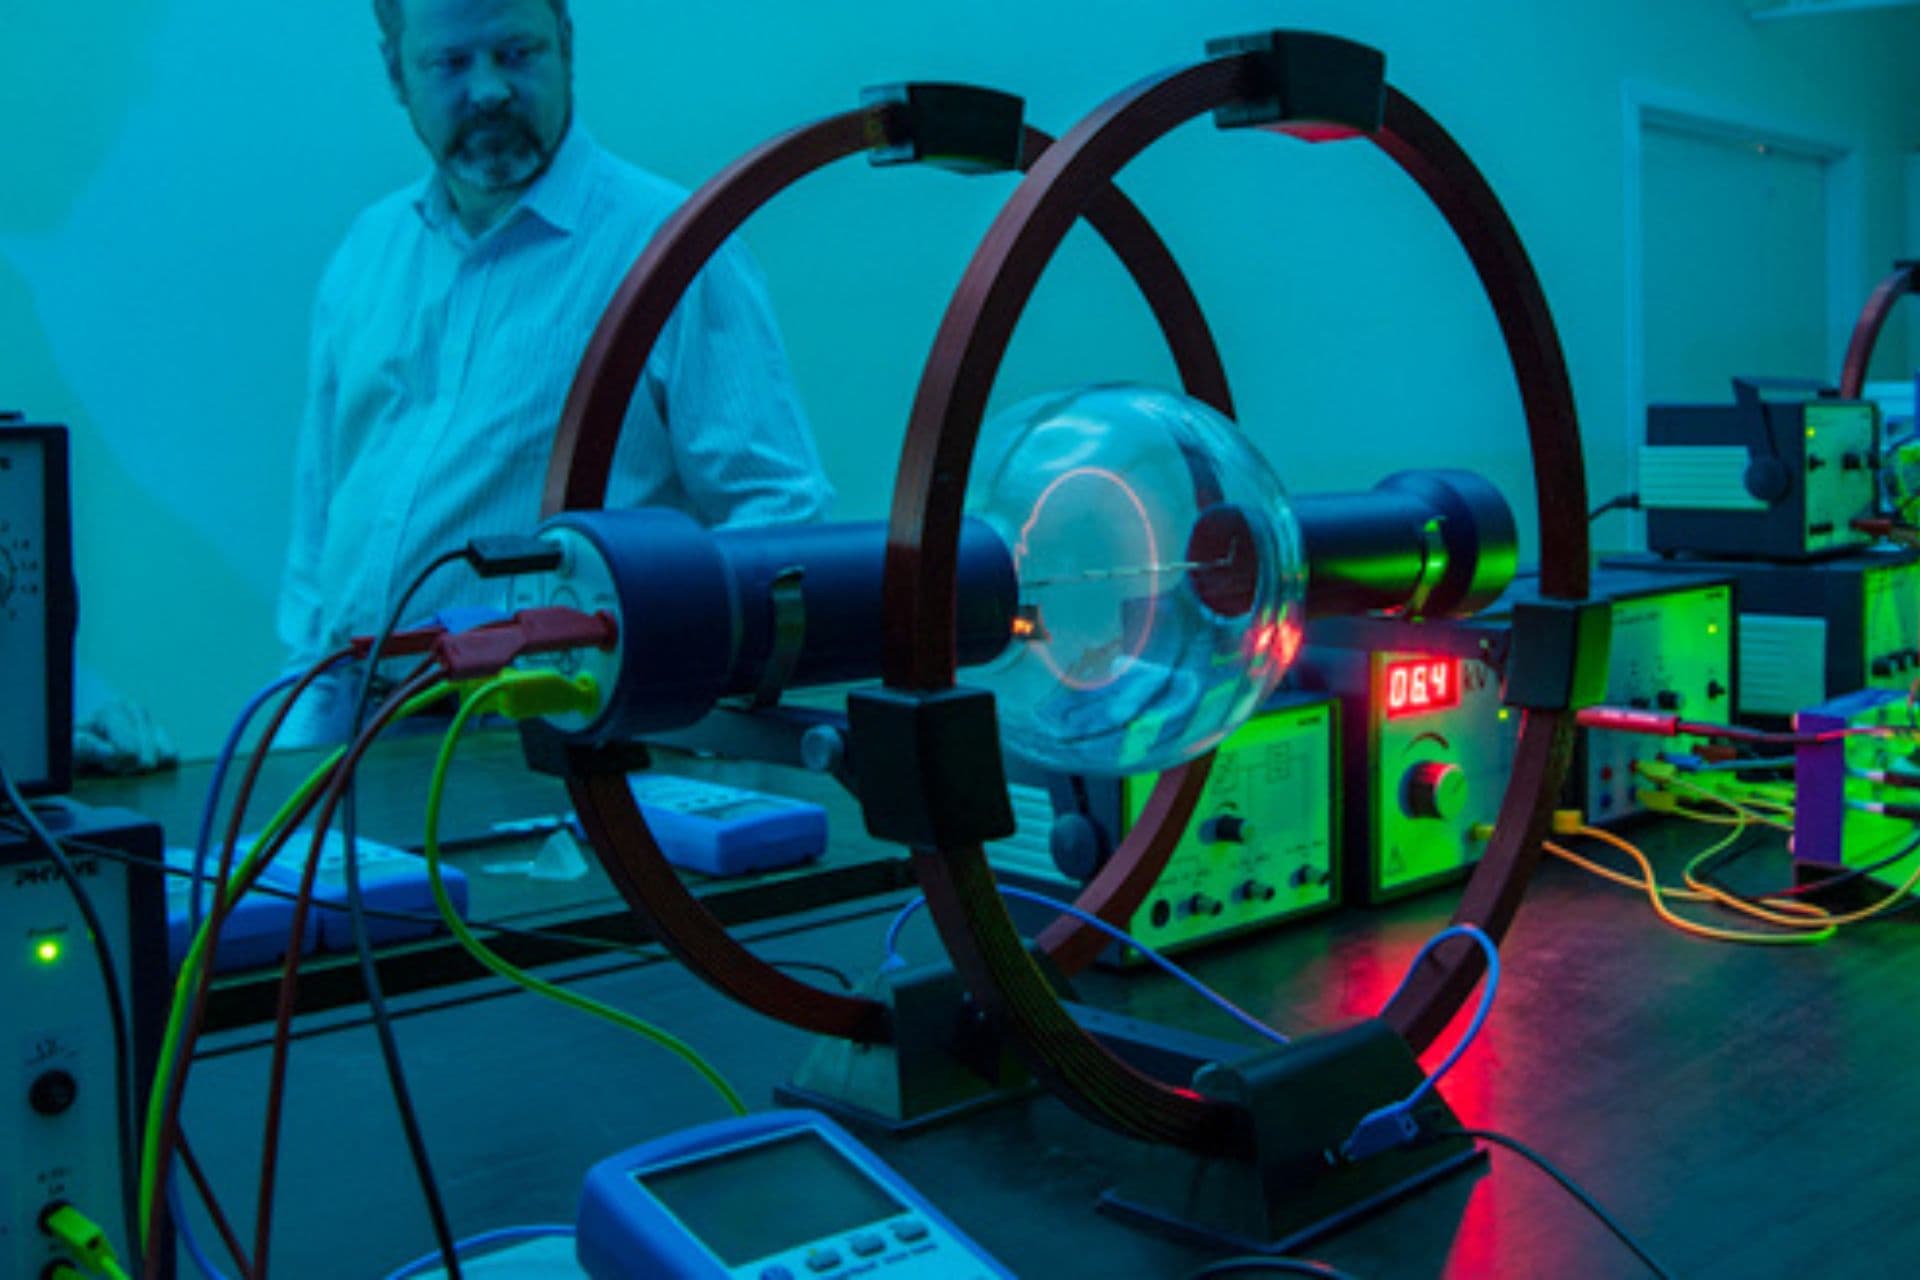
{"x": 741, "y": 444}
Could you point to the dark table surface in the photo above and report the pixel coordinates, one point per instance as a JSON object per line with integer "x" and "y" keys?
{"x": 1744, "y": 1110}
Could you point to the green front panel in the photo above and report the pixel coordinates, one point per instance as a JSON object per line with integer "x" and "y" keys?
{"x": 1469, "y": 746}
{"x": 1672, "y": 651}
{"x": 1260, "y": 847}
{"x": 1890, "y": 639}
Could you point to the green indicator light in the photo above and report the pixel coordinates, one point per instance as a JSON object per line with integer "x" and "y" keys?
{"x": 1713, "y": 628}
{"x": 47, "y": 950}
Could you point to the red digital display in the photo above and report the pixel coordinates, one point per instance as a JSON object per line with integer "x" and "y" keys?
{"x": 1421, "y": 684}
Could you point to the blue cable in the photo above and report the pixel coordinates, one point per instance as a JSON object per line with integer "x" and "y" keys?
{"x": 1394, "y": 1125}
{"x": 1487, "y": 989}
{"x": 175, "y": 1207}
{"x": 455, "y": 618}
{"x": 202, "y": 881}
{"x": 1205, "y": 992}
{"x": 209, "y": 809}
{"x": 505, "y": 1235}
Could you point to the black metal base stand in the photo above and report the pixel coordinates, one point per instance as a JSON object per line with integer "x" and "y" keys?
{"x": 1305, "y": 1100}
{"x": 943, "y": 1060}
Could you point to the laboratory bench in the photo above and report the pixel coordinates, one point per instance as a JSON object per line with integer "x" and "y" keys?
{"x": 1744, "y": 1110}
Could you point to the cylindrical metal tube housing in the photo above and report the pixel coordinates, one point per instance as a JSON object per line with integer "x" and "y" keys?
{"x": 1426, "y": 543}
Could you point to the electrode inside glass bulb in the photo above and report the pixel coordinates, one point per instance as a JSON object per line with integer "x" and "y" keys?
{"x": 1161, "y": 577}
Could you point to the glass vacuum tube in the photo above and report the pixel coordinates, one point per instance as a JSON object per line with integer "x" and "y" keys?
{"x": 1161, "y": 577}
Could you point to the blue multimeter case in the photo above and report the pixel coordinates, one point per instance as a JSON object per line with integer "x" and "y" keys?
{"x": 727, "y": 831}
{"x": 783, "y": 1195}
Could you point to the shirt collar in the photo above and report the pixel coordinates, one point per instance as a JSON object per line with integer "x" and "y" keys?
{"x": 558, "y": 197}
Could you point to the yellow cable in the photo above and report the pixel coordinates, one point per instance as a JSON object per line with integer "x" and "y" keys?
{"x": 1660, "y": 800}
{"x": 1805, "y": 915}
{"x": 1739, "y": 904}
{"x": 1806, "y": 931}
{"x": 1756, "y": 908}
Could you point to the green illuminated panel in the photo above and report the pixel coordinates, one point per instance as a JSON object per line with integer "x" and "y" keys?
{"x": 1671, "y": 651}
{"x": 1891, "y": 636}
{"x": 1837, "y": 493}
{"x": 1260, "y": 846}
{"x": 1438, "y": 777}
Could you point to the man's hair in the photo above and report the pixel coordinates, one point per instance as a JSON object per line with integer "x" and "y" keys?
{"x": 391, "y": 17}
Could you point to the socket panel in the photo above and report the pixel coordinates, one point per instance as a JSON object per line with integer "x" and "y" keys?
{"x": 1673, "y": 650}
{"x": 1261, "y": 847}
{"x": 58, "y": 1114}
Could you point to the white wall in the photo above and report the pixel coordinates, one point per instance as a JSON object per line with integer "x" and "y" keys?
{"x": 188, "y": 164}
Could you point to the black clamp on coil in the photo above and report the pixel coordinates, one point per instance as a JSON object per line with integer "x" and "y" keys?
{"x": 1559, "y": 654}
{"x": 559, "y": 754}
{"x": 927, "y": 766}
{"x": 1311, "y": 86}
{"x": 959, "y": 127}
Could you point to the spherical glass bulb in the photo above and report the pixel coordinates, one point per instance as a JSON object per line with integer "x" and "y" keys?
{"x": 1161, "y": 577}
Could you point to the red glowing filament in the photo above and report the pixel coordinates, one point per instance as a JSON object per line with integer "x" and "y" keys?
{"x": 1421, "y": 684}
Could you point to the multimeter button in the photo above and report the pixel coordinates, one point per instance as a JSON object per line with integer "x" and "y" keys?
{"x": 822, "y": 1259}
{"x": 865, "y": 1243}
{"x": 909, "y": 1230}
{"x": 776, "y": 1273}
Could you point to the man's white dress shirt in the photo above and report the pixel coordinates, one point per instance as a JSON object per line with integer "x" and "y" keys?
{"x": 440, "y": 365}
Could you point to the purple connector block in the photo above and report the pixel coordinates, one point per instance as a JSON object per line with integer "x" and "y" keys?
{"x": 1820, "y": 774}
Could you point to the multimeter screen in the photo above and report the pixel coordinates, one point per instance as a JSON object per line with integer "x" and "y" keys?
{"x": 762, "y": 1199}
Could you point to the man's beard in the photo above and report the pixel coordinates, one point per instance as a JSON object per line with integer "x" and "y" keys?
{"x": 496, "y": 154}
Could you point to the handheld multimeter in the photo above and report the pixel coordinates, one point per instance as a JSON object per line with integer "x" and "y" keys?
{"x": 784, "y": 1195}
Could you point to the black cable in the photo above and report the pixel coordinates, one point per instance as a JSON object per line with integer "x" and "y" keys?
{"x": 1259, "y": 1262}
{"x": 399, "y": 915}
{"x": 1621, "y": 502}
{"x": 363, "y": 947}
{"x": 116, "y": 1005}
{"x": 815, "y": 966}
{"x": 1572, "y": 1188}
{"x": 1721, "y": 863}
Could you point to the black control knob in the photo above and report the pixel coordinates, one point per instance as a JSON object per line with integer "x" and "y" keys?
{"x": 1434, "y": 789}
{"x": 1667, "y": 700}
{"x": 1201, "y": 905}
{"x": 1226, "y": 828}
{"x": 1253, "y": 891}
{"x": 52, "y": 1092}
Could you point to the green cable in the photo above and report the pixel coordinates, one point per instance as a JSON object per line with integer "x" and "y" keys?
{"x": 187, "y": 980}
{"x": 469, "y": 707}
{"x": 480, "y": 950}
